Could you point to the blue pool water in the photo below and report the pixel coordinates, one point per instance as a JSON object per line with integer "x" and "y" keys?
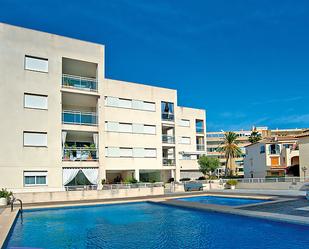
{"x": 145, "y": 225}
{"x": 226, "y": 201}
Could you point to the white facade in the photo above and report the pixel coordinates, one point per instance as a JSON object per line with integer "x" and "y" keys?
{"x": 65, "y": 123}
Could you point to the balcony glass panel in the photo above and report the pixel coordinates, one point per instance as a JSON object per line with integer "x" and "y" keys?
{"x": 168, "y": 139}
{"x": 169, "y": 161}
{"x": 80, "y": 118}
{"x": 80, "y": 153}
{"x": 200, "y": 147}
{"x": 83, "y": 83}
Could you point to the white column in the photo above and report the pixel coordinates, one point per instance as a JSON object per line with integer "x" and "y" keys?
{"x": 136, "y": 174}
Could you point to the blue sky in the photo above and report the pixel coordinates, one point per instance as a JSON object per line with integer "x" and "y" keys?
{"x": 245, "y": 61}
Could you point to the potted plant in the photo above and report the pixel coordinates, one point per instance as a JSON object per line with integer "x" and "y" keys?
{"x": 5, "y": 197}
{"x": 93, "y": 151}
{"x": 66, "y": 152}
{"x": 88, "y": 152}
{"x": 231, "y": 183}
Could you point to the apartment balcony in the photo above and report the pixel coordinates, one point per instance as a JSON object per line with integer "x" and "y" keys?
{"x": 168, "y": 139}
{"x": 200, "y": 147}
{"x": 80, "y": 83}
{"x": 87, "y": 153}
{"x": 169, "y": 162}
{"x": 166, "y": 116}
{"x": 79, "y": 118}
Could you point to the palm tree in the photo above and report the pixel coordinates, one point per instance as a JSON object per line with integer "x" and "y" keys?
{"x": 231, "y": 151}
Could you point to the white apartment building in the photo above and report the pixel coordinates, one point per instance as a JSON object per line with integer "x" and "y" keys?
{"x": 272, "y": 157}
{"x": 65, "y": 124}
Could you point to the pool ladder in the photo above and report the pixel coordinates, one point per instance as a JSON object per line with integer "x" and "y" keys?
{"x": 20, "y": 202}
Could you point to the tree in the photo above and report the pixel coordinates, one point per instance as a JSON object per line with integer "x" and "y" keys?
{"x": 208, "y": 164}
{"x": 230, "y": 149}
{"x": 255, "y": 137}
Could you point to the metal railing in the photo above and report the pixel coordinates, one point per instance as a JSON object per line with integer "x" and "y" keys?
{"x": 80, "y": 154}
{"x": 168, "y": 139}
{"x": 270, "y": 179}
{"x": 83, "y": 83}
{"x": 169, "y": 161}
{"x": 167, "y": 116}
{"x": 81, "y": 187}
{"x": 80, "y": 118}
{"x": 200, "y": 147}
{"x": 131, "y": 185}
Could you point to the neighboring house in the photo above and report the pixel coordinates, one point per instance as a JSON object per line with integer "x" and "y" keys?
{"x": 272, "y": 157}
{"x": 303, "y": 141}
{"x": 65, "y": 124}
{"x": 215, "y": 139}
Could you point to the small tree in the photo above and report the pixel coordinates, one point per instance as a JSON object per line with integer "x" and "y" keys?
{"x": 208, "y": 164}
{"x": 255, "y": 137}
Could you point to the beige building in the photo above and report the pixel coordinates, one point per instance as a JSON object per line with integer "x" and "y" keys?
{"x": 215, "y": 139}
{"x": 64, "y": 124}
{"x": 303, "y": 141}
{"x": 272, "y": 157}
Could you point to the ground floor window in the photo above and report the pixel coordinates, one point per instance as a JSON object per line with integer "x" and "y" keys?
{"x": 33, "y": 178}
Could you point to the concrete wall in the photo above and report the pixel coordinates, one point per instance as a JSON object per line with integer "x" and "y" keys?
{"x": 38, "y": 197}
{"x": 269, "y": 185}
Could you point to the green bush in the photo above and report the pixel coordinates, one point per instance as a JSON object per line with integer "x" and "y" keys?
{"x": 201, "y": 178}
{"x": 130, "y": 179}
{"x": 5, "y": 194}
{"x": 185, "y": 179}
{"x": 232, "y": 182}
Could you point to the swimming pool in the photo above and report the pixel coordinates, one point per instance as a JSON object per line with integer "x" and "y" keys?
{"x": 218, "y": 200}
{"x": 146, "y": 225}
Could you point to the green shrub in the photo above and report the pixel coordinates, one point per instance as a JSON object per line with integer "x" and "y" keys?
{"x": 5, "y": 194}
{"x": 232, "y": 182}
{"x": 185, "y": 179}
{"x": 130, "y": 179}
{"x": 201, "y": 178}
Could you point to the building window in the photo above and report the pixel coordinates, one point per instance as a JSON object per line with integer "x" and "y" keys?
{"x": 126, "y": 152}
{"x": 124, "y": 127}
{"x": 149, "y": 129}
{"x": 150, "y": 152}
{"x": 199, "y": 126}
{"x": 262, "y": 149}
{"x": 130, "y": 104}
{"x": 36, "y": 64}
{"x": 184, "y": 122}
{"x": 33, "y": 178}
{"x": 35, "y": 101}
{"x": 35, "y": 139}
{"x": 185, "y": 140}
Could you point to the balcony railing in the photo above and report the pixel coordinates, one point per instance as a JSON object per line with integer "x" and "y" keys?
{"x": 169, "y": 161}
{"x": 79, "y": 118}
{"x": 167, "y": 116}
{"x": 274, "y": 152}
{"x": 200, "y": 147}
{"x": 199, "y": 130}
{"x": 82, "y": 83}
{"x": 168, "y": 139}
{"x": 80, "y": 154}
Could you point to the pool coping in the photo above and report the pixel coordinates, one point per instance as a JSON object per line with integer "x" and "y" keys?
{"x": 286, "y": 218}
{"x": 8, "y": 218}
